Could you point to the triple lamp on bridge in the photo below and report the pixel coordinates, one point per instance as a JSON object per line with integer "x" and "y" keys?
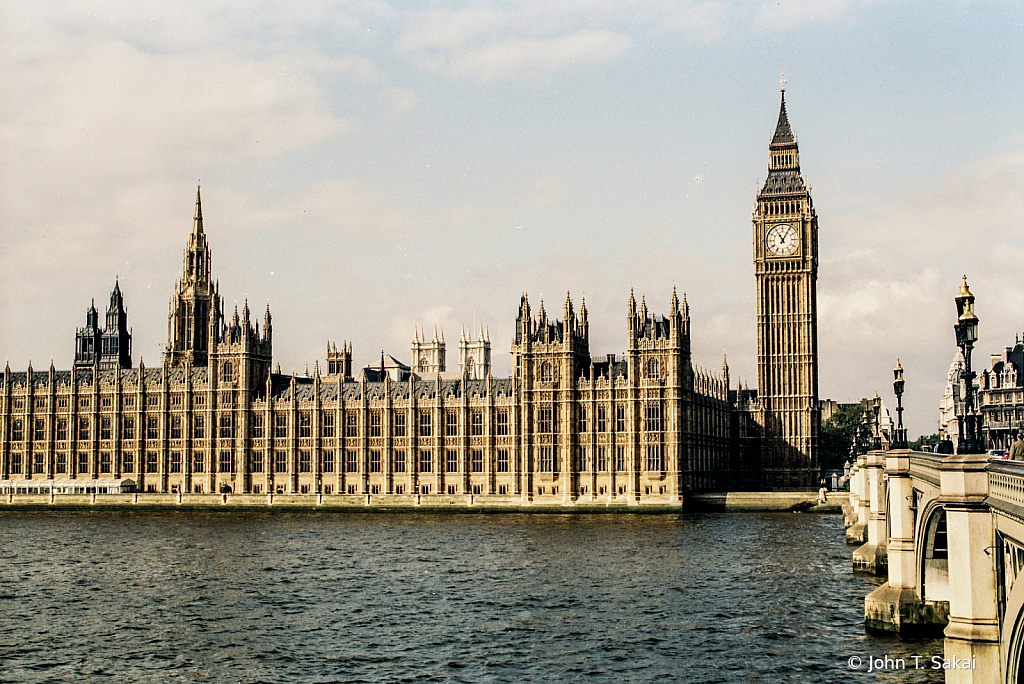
{"x": 969, "y": 439}
{"x": 899, "y": 440}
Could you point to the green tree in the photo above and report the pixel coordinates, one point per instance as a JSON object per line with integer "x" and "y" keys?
{"x": 924, "y": 439}
{"x": 837, "y": 435}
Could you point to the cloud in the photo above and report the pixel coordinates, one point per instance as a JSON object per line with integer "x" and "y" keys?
{"x": 399, "y": 100}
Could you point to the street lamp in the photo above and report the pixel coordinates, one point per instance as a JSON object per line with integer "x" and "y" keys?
{"x": 969, "y": 424}
{"x": 876, "y": 406}
{"x": 900, "y": 441}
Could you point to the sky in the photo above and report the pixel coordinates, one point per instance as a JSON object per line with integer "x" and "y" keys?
{"x": 370, "y": 167}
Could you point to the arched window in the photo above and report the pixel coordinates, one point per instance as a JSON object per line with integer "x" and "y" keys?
{"x": 545, "y": 372}
{"x": 653, "y": 369}
{"x": 228, "y": 372}
{"x": 469, "y": 366}
{"x": 423, "y": 364}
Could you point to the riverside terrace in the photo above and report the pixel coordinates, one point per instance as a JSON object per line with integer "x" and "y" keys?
{"x": 948, "y": 531}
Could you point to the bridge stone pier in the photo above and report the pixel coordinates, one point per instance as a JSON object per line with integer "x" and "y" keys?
{"x": 951, "y": 530}
{"x": 856, "y": 511}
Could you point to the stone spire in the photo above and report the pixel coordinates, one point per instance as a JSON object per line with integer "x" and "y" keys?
{"x": 197, "y": 220}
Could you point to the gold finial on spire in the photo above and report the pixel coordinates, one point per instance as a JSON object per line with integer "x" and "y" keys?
{"x": 782, "y": 82}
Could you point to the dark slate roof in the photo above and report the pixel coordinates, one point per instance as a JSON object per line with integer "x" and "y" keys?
{"x": 783, "y": 133}
{"x": 783, "y": 182}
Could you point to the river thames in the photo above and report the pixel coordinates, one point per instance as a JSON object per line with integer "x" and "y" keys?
{"x": 306, "y": 597}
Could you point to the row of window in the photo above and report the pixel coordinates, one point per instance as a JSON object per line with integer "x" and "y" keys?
{"x": 547, "y": 422}
{"x": 586, "y": 461}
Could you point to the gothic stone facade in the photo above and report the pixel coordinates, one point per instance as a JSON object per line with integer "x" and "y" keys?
{"x": 566, "y": 427}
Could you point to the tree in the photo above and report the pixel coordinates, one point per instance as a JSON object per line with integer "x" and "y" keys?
{"x": 838, "y": 433}
{"x": 924, "y": 439}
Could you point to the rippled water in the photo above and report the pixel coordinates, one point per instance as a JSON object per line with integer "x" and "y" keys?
{"x": 224, "y": 597}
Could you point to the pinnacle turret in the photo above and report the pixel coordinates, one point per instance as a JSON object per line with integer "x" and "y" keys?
{"x": 197, "y": 220}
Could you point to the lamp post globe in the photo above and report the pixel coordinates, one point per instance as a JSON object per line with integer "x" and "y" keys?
{"x": 969, "y": 440}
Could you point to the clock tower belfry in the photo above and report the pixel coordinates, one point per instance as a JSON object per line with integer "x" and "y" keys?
{"x": 786, "y": 270}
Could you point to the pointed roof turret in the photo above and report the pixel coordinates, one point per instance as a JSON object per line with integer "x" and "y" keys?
{"x": 783, "y": 131}
{"x": 197, "y": 220}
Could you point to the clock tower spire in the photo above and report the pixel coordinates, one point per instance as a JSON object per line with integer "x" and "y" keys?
{"x": 786, "y": 270}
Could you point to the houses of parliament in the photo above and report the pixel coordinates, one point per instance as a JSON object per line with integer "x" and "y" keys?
{"x": 566, "y": 427}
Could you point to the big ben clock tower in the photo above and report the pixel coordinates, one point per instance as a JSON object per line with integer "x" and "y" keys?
{"x": 786, "y": 268}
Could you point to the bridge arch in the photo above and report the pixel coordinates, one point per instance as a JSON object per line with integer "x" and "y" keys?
{"x": 933, "y": 560}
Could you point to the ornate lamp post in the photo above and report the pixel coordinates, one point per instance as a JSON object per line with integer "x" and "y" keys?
{"x": 969, "y": 440}
{"x": 900, "y": 440}
{"x": 876, "y": 407}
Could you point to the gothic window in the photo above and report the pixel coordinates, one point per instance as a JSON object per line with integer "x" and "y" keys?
{"x": 176, "y": 462}
{"x": 546, "y": 374}
{"x": 620, "y": 459}
{"x": 305, "y": 425}
{"x": 83, "y": 463}
{"x": 83, "y": 429}
{"x": 37, "y": 465}
{"x": 602, "y": 459}
{"x": 584, "y": 462}
{"x": 328, "y": 423}
{"x": 175, "y": 400}
{"x": 40, "y": 430}
{"x": 198, "y": 462}
{"x": 582, "y": 416}
{"x": 501, "y": 418}
{"x": 423, "y": 364}
{"x": 105, "y": 462}
{"x": 425, "y": 424}
{"x": 399, "y": 462}
{"x": 129, "y": 401}
{"x": 16, "y": 464}
{"x": 62, "y": 403}
{"x": 280, "y": 425}
{"x": 620, "y": 418}
{"x": 175, "y": 427}
{"x": 375, "y": 424}
{"x": 227, "y": 425}
{"x": 151, "y": 462}
{"x": 62, "y": 464}
{"x": 257, "y": 464}
{"x": 351, "y": 424}
{"x": 127, "y": 462}
{"x": 652, "y": 417}
{"x": 20, "y": 403}
{"x": 82, "y": 403}
{"x": 375, "y": 465}
{"x": 545, "y": 419}
{"x": 469, "y": 366}
{"x": 425, "y": 461}
{"x": 305, "y": 462}
{"x": 452, "y": 426}
{"x": 399, "y": 424}
{"x": 106, "y": 402}
{"x": 227, "y": 462}
{"x": 602, "y": 419}
{"x": 152, "y": 400}
{"x": 453, "y": 461}
{"x": 41, "y": 404}
{"x": 280, "y": 462}
{"x": 653, "y": 369}
{"x": 198, "y": 400}
{"x": 478, "y": 423}
{"x": 152, "y": 428}
{"x": 327, "y": 462}
{"x": 502, "y": 460}
{"x": 228, "y": 373}
{"x": 478, "y": 461}
{"x": 653, "y": 457}
{"x": 546, "y": 459}
{"x": 62, "y": 430}
{"x": 352, "y": 462}
{"x": 128, "y": 428}
{"x": 257, "y": 427}
{"x": 198, "y": 427}
{"x": 18, "y": 430}
{"x": 105, "y": 428}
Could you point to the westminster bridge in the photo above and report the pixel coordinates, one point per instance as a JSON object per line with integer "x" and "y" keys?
{"x": 948, "y": 531}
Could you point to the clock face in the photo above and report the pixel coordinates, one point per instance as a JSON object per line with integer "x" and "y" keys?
{"x": 783, "y": 240}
